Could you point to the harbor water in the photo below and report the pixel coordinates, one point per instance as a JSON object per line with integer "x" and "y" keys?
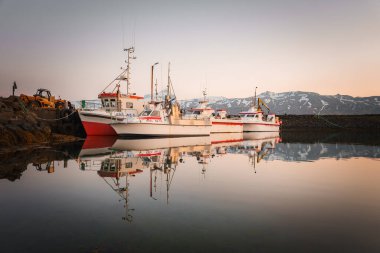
{"x": 221, "y": 193}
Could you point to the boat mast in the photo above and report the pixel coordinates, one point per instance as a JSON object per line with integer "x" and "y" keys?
{"x": 130, "y": 57}
{"x": 254, "y": 100}
{"x": 156, "y": 84}
{"x": 151, "y": 81}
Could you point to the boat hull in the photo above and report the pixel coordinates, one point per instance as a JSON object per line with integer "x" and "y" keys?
{"x": 97, "y": 125}
{"x": 260, "y": 127}
{"x": 226, "y": 126}
{"x": 160, "y": 130}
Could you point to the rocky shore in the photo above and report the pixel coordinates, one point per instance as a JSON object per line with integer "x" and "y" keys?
{"x": 21, "y": 127}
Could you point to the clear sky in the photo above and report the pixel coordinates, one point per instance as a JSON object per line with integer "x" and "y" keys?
{"x": 74, "y": 47}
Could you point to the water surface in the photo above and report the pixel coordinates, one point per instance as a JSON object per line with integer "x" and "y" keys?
{"x": 224, "y": 193}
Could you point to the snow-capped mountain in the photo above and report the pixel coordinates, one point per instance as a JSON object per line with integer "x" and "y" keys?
{"x": 297, "y": 102}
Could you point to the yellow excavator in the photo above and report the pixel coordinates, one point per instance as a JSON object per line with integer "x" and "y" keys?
{"x": 261, "y": 106}
{"x": 43, "y": 99}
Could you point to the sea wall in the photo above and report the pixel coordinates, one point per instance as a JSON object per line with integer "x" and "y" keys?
{"x": 330, "y": 122}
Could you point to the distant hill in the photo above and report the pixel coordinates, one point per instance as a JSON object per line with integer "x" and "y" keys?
{"x": 294, "y": 102}
{"x": 297, "y": 102}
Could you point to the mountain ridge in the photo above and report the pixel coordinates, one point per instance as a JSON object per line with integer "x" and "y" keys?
{"x": 296, "y": 102}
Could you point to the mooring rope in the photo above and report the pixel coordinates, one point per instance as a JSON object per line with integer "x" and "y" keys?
{"x": 331, "y": 123}
{"x": 64, "y": 117}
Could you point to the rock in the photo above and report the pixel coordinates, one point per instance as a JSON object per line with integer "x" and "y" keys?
{"x": 19, "y": 127}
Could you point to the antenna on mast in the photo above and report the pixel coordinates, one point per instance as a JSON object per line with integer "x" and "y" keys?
{"x": 134, "y": 32}
{"x": 130, "y": 57}
{"x": 168, "y": 87}
{"x": 204, "y": 94}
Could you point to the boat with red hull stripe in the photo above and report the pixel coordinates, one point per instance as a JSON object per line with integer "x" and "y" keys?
{"x": 98, "y": 129}
{"x": 219, "y": 120}
{"x": 115, "y": 105}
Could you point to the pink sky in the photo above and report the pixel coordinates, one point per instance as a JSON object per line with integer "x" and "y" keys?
{"x": 228, "y": 47}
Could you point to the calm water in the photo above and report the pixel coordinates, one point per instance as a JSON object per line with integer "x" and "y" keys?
{"x": 225, "y": 193}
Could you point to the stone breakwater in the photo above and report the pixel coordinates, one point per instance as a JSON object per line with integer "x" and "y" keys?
{"x": 331, "y": 122}
{"x": 20, "y": 127}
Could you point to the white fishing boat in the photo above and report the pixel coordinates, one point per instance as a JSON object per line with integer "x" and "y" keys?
{"x": 258, "y": 118}
{"x": 162, "y": 119}
{"x": 219, "y": 120}
{"x": 114, "y": 105}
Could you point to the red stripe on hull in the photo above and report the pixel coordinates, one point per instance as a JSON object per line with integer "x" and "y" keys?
{"x": 150, "y": 117}
{"x": 95, "y": 128}
{"x": 151, "y": 154}
{"x": 226, "y": 141}
{"x": 227, "y": 123}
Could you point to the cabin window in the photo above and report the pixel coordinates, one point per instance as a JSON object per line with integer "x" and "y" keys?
{"x": 256, "y": 116}
{"x": 197, "y": 112}
{"x": 155, "y": 113}
{"x": 112, "y": 167}
{"x": 128, "y": 105}
{"x": 106, "y": 103}
{"x": 128, "y": 165}
{"x": 145, "y": 113}
{"x": 113, "y": 103}
{"x": 146, "y": 159}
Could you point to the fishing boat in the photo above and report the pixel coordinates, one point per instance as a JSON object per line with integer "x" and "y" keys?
{"x": 259, "y": 119}
{"x": 219, "y": 119}
{"x": 115, "y": 105}
{"x": 162, "y": 119}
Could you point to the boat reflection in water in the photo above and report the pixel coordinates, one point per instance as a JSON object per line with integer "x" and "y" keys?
{"x": 203, "y": 189}
{"x": 162, "y": 155}
{"x": 97, "y": 145}
{"x": 115, "y": 161}
{"x": 258, "y": 145}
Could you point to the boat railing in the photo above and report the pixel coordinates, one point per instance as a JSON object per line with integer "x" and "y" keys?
{"x": 88, "y": 105}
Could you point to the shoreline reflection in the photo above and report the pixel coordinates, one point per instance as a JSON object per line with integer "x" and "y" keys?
{"x": 149, "y": 188}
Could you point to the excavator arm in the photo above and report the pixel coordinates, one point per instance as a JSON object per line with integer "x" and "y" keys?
{"x": 261, "y": 104}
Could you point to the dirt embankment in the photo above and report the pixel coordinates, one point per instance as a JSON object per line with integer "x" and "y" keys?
{"x": 20, "y": 127}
